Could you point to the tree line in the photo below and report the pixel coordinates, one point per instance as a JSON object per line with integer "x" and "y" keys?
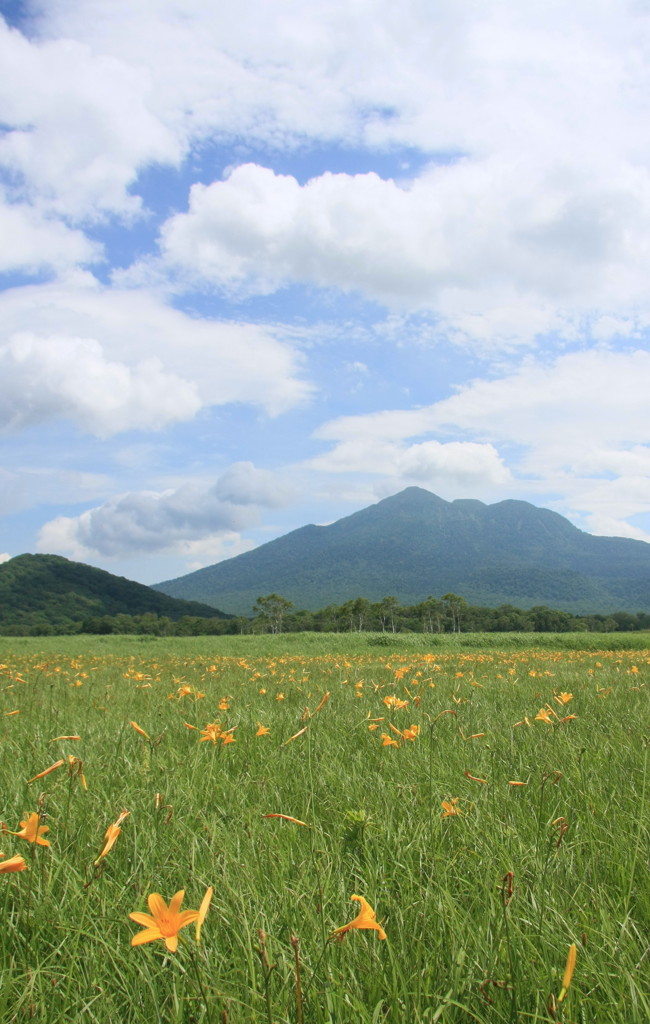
{"x": 450, "y": 613}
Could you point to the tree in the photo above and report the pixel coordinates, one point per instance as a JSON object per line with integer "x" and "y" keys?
{"x": 455, "y": 607}
{"x": 387, "y": 610}
{"x": 357, "y": 612}
{"x": 271, "y": 610}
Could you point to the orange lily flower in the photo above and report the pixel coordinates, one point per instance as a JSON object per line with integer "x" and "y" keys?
{"x": 450, "y": 808}
{"x": 203, "y": 909}
{"x": 365, "y": 919}
{"x": 164, "y": 922}
{"x": 112, "y": 832}
{"x": 287, "y": 817}
{"x": 33, "y": 831}
{"x": 262, "y": 730}
{"x": 52, "y": 768}
{"x": 568, "y": 971}
{"x": 13, "y": 864}
{"x": 140, "y": 730}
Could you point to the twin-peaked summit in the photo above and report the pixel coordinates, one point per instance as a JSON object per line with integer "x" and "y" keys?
{"x": 415, "y": 544}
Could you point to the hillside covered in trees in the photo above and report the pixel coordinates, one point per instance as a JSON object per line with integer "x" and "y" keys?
{"x": 47, "y": 593}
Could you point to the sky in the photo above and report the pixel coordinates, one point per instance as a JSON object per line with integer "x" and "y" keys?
{"x": 263, "y": 265}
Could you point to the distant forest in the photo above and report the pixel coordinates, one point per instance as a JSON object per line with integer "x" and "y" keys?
{"x": 275, "y": 614}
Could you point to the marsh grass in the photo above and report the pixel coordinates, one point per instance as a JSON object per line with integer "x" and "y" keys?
{"x": 572, "y": 843}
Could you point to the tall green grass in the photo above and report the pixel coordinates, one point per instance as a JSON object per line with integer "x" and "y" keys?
{"x": 461, "y": 946}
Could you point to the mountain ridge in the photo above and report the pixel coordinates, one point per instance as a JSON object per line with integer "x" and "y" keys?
{"x": 414, "y": 544}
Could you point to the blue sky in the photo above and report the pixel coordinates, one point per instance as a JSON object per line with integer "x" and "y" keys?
{"x": 265, "y": 270}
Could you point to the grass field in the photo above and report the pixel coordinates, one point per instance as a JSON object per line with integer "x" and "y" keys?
{"x": 487, "y": 796}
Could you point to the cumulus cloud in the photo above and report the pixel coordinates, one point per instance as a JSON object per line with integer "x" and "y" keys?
{"x": 498, "y": 247}
{"x": 188, "y": 520}
{"x": 58, "y": 376}
{"x": 79, "y": 125}
{"x": 36, "y": 242}
{"x": 464, "y": 468}
{"x": 114, "y": 360}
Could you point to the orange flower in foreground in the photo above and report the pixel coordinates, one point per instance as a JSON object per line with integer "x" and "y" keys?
{"x": 33, "y": 831}
{"x": 388, "y": 740}
{"x": 366, "y": 918}
{"x": 164, "y": 922}
{"x": 262, "y": 730}
{"x": 13, "y": 864}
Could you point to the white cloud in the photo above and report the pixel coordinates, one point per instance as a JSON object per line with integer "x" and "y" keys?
{"x": 190, "y": 520}
{"x": 80, "y": 125}
{"x": 34, "y": 242}
{"x": 114, "y": 360}
{"x": 463, "y": 468}
{"x": 4, "y": 557}
{"x": 59, "y": 376}
{"x": 575, "y": 428}
{"x": 500, "y": 248}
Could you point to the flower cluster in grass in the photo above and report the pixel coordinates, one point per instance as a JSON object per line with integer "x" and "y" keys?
{"x": 490, "y": 806}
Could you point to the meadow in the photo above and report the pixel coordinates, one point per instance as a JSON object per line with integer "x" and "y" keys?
{"x": 486, "y": 797}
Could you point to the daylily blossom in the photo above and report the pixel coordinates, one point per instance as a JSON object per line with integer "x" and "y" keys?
{"x": 211, "y": 733}
{"x": 112, "y": 832}
{"x": 52, "y": 768}
{"x": 13, "y": 864}
{"x": 563, "y": 698}
{"x": 568, "y": 971}
{"x": 164, "y": 922}
{"x": 366, "y": 918}
{"x": 203, "y": 909}
{"x": 33, "y": 831}
{"x": 388, "y": 740}
{"x": 262, "y": 730}
{"x": 287, "y": 817}
{"x": 474, "y": 778}
{"x": 450, "y": 808}
{"x": 544, "y": 715}
{"x": 140, "y": 730}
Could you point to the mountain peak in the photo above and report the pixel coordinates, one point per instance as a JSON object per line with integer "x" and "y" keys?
{"x": 414, "y": 544}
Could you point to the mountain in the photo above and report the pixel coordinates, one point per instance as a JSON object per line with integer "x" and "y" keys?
{"x": 47, "y": 589}
{"x": 415, "y": 544}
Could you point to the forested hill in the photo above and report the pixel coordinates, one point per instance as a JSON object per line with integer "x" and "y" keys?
{"x": 42, "y": 590}
{"x": 414, "y": 544}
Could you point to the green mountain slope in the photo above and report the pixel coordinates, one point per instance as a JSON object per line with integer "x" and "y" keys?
{"x": 39, "y": 589}
{"x": 414, "y": 544}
